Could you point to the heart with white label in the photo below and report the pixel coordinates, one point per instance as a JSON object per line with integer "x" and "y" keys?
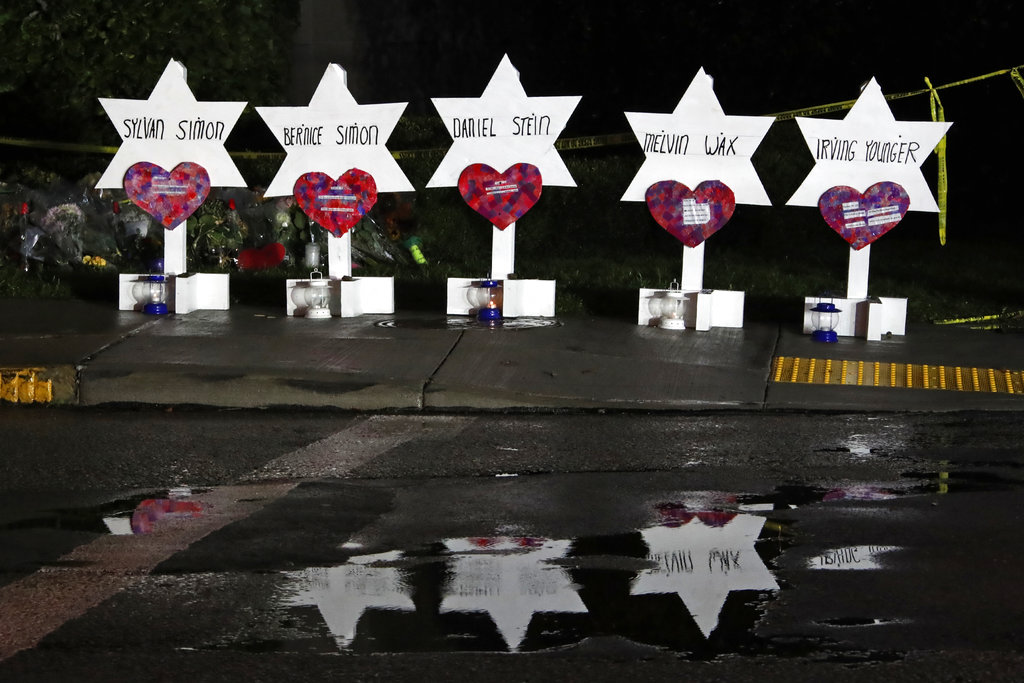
{"x": 168, "y": 196}
{"x": 861, "y": 218}
{"x": 336, "y": 205}
{"x": 501, "y": 197}
{"x": 691, "y": 216}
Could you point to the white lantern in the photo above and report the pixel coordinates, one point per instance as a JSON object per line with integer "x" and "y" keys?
{"x": 315, "y": 298}
{"x": 669, "y": 307}
{"x": 152, "y": 294}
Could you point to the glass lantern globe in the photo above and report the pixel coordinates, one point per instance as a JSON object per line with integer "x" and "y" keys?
{"x": 315, "y": 298}
{"x": 824, "y": 318}
{"x": 488, "y": 301}
{"x": 670, "y": 308}
{"x": 152, "y": 294}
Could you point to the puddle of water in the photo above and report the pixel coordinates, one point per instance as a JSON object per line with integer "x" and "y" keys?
{"x": 130, "y": 515}
{"x": 680, "y": 585}
{"x": 696, "y": 582}
{"x": 466, "y": 323}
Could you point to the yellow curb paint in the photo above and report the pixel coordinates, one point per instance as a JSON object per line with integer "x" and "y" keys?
{"x": 23, "y": 385}
{"x": 900, "y": 375}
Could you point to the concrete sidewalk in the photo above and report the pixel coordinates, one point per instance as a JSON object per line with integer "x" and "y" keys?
{"x": 248, "y": 357}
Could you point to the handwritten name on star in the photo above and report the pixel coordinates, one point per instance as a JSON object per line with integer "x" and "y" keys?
{"x": 355, "y": 134}
{"x": 155, "y": 128}
{"x": 486, "y": 127}
{"x": 721, "y": 145}
{"x": 897, "y": 151}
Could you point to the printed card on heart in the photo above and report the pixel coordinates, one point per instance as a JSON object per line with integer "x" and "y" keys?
{"x": 501, "y": 197}
{"x": 860, "y": 219}
{"x": 691, "y": 216}
{"x": 336, "y": 205}
{"x": 168, "y": 196}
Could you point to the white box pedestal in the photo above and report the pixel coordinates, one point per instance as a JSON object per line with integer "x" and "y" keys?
{"x": 869, "y": 317}
{"x": 705, "y": 308}
{"x": 520, "y": 298}
{"x": 186, "y": 292}
{"x": 349, "y": 298}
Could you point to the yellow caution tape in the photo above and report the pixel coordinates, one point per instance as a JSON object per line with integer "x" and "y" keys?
{"x": 840, "y": 106}
{"x": 595, "y": 141}
{"x": 939, "y": 114}
{"x": 59, "y": 146}
{"x": 980, "y": 318}
{"x": 566, "y": 144}
{"x": 1017, "y": 79}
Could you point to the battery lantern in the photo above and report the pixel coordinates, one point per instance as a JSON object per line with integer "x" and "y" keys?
{"x": 152, "y": 294}
{"x": 315, "y": 297}
{"x": 824, "y": 319}
{"x": 488, "y": 302}
{"x": 670, "y": 308}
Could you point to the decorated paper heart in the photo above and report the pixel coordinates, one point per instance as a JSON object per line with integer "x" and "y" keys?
{"x": 691, "y": 216}
{"x": 501, "y": 198}
{"x": 261, "y": 258}
{"x": 168, "y": 196}
{"x": 860, "y": 219}
{"x": 336, "y": 205}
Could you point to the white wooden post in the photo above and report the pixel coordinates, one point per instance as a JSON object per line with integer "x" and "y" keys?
{"x": 692, "y": 276}
{"x": 857, "y": 279}
{"x": 503, "y": 252}
{"x": 174, "y": 249}
{"x": 339, "y": 255}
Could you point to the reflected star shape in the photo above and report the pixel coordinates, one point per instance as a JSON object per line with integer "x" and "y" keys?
{"x": 503, "y": 99}
{"x": 700, "y": 117}
{"x": 172, "y": 101}
{"x": 331, "y": 106}
{"x": 869, "y": 119}
{"x": 510, "y": 583}
{"x": 344, "y": 592}
{"x": 703, "y": 564}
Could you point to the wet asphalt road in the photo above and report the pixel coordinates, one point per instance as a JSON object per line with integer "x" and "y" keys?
{"x": 510, "y": 547}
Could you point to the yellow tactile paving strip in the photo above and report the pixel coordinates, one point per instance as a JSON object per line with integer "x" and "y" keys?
{"x": 903, "y": 375}
{"x": 24, "y": 385}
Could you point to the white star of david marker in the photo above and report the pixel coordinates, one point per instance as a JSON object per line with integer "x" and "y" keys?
{"x": 698, "y": 142}
{"x": 172, "y": 127}
{"x": 866, "y": 147}
{"x": 334, "y": 134}
{"x": 503, "y": 127}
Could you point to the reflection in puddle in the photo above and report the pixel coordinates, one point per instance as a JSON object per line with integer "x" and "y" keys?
{"x": 151, "y": 511}
{"x": 123, "y": 516}
{"x": 851, "y": 557}
{"x": 666, "y": 585}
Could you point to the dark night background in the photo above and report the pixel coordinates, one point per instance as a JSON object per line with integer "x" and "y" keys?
{"x": 765, "y": 57}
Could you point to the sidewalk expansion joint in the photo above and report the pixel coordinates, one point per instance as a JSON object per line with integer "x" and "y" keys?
{"x": 120, "y": 340}
{"x": 794, "y": 370}
{"x": 437, "y": 368}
